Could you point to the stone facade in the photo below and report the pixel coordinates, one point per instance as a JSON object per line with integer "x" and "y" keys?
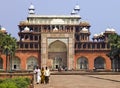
{"x": 59, "y": 41}
{"x": 66, "y": 38}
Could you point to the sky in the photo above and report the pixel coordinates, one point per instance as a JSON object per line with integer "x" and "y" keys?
{"x": 101, "y": 14}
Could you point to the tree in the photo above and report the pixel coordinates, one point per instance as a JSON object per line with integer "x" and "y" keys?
{"x": 8, "y": 46}
{"x": 114, "y": 54}
{"x": 1, "y": 38}
{"x": 1, "y": 41}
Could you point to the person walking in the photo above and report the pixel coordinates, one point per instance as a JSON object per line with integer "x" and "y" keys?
{"x": 47, "y": 75}
{"x": 38, "y": 74}
{"x": 42, "y": 76}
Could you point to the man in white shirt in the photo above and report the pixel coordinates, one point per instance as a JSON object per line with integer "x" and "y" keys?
{"x": 47, "y": 75}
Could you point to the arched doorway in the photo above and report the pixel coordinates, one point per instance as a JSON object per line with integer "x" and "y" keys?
{"x": 57, "y": 53}
{"x": 57, "y": 62}
{"x": 31, "y": 63}
{"x": 16, "y": 63}
{"x": 1, "y": 63}
{"x": 82, "y": 63}
{"x": 99, "y": 63}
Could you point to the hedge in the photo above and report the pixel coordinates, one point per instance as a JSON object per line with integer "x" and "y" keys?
{"x": 19, "y": 82}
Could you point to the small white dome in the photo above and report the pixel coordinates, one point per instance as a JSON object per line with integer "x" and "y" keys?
{"x": 95, "y": 35}
{"x": 77, "y": 7}
{"x": 112, "y": 29}
{"x": 85, "y": 29}
{"x": 101, "y": 33}
{"x": 31, "y": 7}
{"x": 98, "y": 34}
{"x": 108, "y": 29}
{"x": 26, "y": 29}
{"x": 3, "y": 29}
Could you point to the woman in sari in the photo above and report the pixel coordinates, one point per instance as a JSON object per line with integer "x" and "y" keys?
{"x": 42, "y": 76}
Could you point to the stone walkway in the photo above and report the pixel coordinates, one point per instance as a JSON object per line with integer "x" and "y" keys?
{"x": 82, "y": 81}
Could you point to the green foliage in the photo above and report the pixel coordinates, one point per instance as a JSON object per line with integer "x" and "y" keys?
{"x": 1, "y": 38}
{"x": 22, "y": 82}
{"x": 8, "y": 43}
{"x": 8, "y": 84}
{"x": 114, "y": 41}
{"x": 19, "y": 82}
{"x": 28, "y": 80}
{"x": 1, "y": 80}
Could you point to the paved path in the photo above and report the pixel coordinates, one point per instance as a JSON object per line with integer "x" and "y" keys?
{"x": 82, "y": 81}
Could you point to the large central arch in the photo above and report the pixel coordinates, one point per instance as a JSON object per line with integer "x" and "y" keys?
{"x": 57, "y": 53}
{"x": 64, "y": 42}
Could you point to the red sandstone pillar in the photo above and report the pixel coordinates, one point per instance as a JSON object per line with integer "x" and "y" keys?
{"x": 91, "y": 64}
{"x": 108, "y": 64}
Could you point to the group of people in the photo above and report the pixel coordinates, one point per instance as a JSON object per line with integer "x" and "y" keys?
{"x": 42, "y": 75}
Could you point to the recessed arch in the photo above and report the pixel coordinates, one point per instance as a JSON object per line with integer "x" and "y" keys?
{"x": 57, "y": 46}
{"x": 82, "y": 63}
{"x": 57, "y": 53}
{"x": 31, "y": 62}
{"x": 99, "y": 63}
{"x": 16, "y": 62}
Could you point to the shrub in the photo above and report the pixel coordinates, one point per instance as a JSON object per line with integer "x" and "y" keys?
{"x": 22, "y": 82}
{"x": 8, "y": 84}
{"x": 1, "y": 80}
{"x": 15, "y": 83}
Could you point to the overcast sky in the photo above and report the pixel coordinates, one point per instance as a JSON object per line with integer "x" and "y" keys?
{"x": 101, "y": 14}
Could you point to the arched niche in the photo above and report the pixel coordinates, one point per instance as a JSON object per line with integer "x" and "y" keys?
{"x": 82, "y": 63}
{"x": 99, "y": 63}
{"x": 31, "y": 63}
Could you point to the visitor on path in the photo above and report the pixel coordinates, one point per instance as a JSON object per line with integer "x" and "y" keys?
{"x": 47, "y": 75}
{"x": 38, "y": 74}
{"x": 42, "y": 76}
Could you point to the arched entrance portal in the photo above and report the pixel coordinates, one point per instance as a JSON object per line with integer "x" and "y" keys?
{"x": 82, "y": 63}
{"x": 99, "y": 63}
{"x": 57, "y": 53}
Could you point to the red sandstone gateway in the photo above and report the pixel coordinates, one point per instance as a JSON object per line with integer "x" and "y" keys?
{"x": 59, "y": 41}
